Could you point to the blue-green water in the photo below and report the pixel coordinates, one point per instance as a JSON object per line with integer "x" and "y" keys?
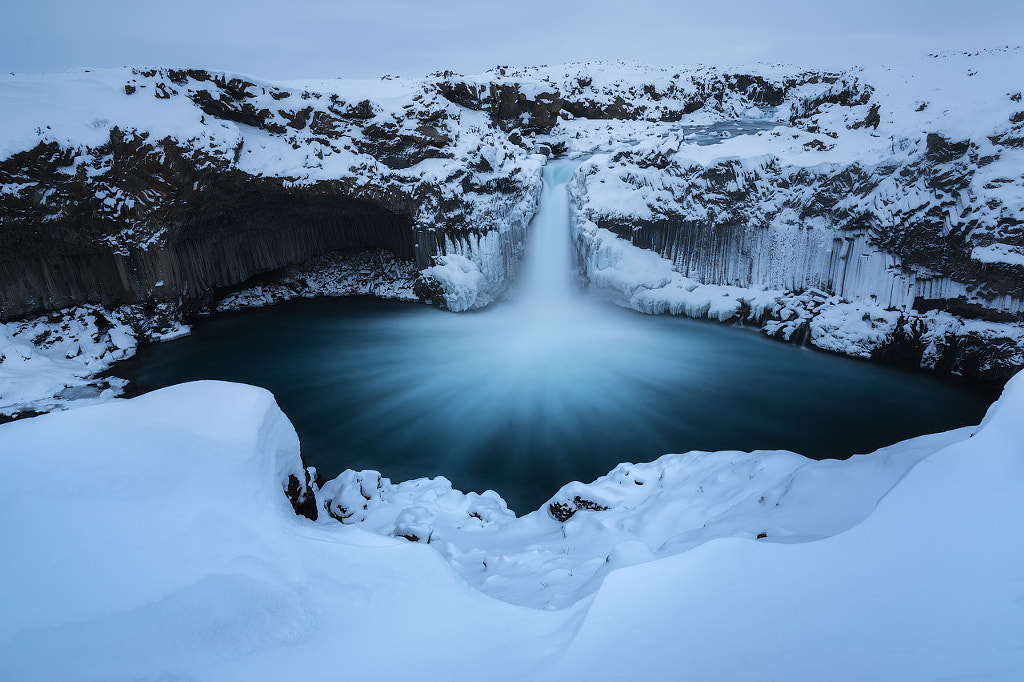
{"x": 491, "y": 400}
{"x": 549, "y": 387}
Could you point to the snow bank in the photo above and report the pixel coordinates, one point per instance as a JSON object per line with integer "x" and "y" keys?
{"x": 459, "y": 280}
{"x": 52, "y": 361}
{"x": 999, "y": 253}
{"x": 853, "y": 329}
{"x": 151, "y": 539}
{"x": 927, "y": 587}
{"x": 642, "y": 280}
{"x": 558, "y": 555}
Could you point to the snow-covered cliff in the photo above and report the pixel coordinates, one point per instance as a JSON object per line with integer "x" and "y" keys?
{"x": 872, "y": 212}
{"x": 884, "y": 215}
{"x": 161, "y": 185}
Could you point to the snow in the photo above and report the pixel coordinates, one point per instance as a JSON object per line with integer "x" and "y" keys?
{"x": 640, "y": 279}
{"x": 813, "y": 205}
{"x": 52, "y": 361}
{"x": 853, "y": 329}
{"x": 667, "y": 506}
{"x": 150, "y": 538}
{"x": 927, "y": 587}
{"x": 459, "y": 278}
{"x": 998, "y": 253}
{"x": 170, "y": 551}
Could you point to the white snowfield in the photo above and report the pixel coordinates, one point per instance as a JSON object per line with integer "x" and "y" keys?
{"x": 150, "y": 539}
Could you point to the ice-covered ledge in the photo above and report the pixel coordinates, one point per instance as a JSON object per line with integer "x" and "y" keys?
{"x": 151, "y": 536}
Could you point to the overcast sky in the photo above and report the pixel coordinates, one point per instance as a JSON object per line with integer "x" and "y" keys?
{"x": 326, "y": 38}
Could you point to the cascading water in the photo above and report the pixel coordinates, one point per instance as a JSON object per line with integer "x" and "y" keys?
{"x": 529, "y": 394}
{"x": 546, "y": 281}
{"x": 543, "y": 332}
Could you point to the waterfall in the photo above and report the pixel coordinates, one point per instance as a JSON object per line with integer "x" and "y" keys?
{"x": 551, "y": 386}
{"x": 546, "y": 281}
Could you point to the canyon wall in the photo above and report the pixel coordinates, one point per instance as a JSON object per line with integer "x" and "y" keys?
{"x": 881, "y": 217}
{"x": 162, "y": 186}
{"x": 190, "y": 182}
{"x": 868, "y": 203}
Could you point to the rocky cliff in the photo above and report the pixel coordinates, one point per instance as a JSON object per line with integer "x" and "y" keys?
{"x": 186, "y": 181}
{"x": 164, "y": 185}
{"x": 887, "y": 212}
{"x": 875, "y": 213}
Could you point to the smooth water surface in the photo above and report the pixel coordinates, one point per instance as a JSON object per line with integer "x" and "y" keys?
{"x": 548, "y": 387}
{"x": 413, "y": 391}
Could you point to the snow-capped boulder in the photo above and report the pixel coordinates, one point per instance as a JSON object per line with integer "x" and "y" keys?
{"x": 453, "y": 283}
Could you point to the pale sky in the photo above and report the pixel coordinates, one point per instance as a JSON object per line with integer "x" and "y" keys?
{"x": 328, "y": 38}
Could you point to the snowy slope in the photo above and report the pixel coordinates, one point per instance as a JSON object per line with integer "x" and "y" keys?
{"x": 928, "y": 587}
{"x": 150, "y": 539}
{"x": 166, "y": 550}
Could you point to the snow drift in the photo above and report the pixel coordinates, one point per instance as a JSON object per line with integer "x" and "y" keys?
{"x": 150, "y": 538}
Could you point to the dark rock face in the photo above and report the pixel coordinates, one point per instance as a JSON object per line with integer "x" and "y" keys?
{"x": 976, "y": 356}
{"x": 302, "y": 494}
{"x": 733, "y": 242}
{"x": 506, "y": 104}
{"x": 576, "y": 96}
{"x": 736, "y": 201}
{"x": 429, "y": 289}
{"x": 565, "y": 510}
{"x": 217, "y": 226}
{"x": 141, "y": 219}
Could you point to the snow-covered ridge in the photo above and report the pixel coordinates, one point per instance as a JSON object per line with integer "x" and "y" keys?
{"x": 169, "y": 547}
{"x": 557, "y": 555}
